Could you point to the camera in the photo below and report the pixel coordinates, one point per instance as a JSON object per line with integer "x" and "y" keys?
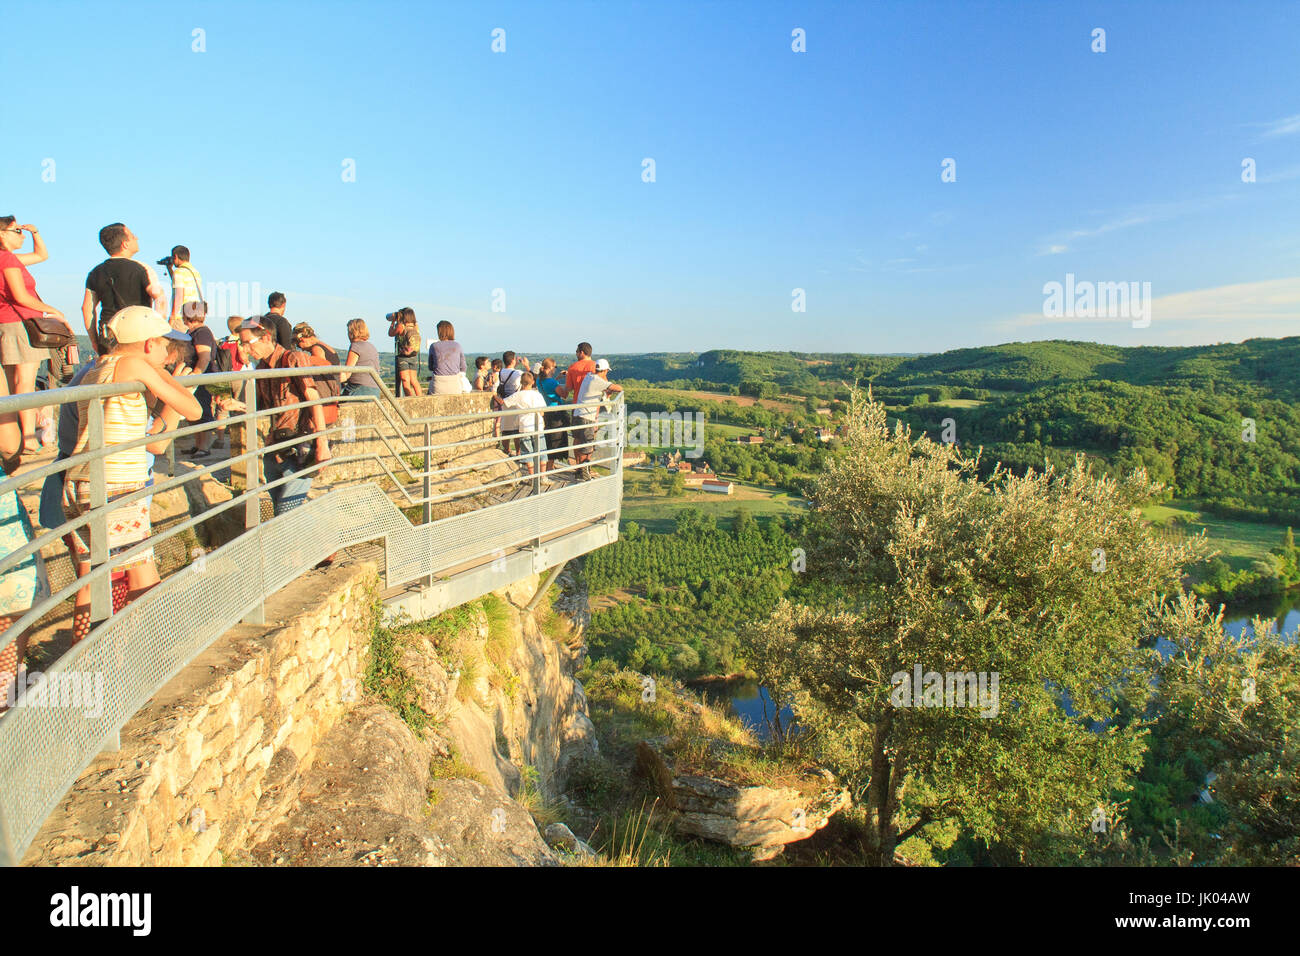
{"x": 167, "y": 261}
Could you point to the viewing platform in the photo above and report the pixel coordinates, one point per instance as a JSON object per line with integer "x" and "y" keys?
{"x": 421, "y": 487}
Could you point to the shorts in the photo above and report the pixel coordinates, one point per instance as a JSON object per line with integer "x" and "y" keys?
{"x": 447, "y": 384}
{"x": 586, "y": 435}
{"x": 409, "y": 363}
{"x": 127, "y": 525}
{"x": 205, "y": 402}
{"x": 557, "y": 442}
{"x": 532, "y": 444}
{"x": 16, "y": 347}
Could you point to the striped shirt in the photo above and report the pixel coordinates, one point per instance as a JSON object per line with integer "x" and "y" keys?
{"x": 125, "y": 417}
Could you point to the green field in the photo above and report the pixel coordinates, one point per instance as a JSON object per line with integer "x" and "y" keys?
{"x": 658, "y": 513}
{"x": 726, "y": 431}
{"x": 1239, "y": 542}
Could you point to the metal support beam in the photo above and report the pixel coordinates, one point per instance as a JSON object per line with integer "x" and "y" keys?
{"x": 544, "y": 586}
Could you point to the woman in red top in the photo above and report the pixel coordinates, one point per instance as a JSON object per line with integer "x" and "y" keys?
{"x": 18, "y": 300}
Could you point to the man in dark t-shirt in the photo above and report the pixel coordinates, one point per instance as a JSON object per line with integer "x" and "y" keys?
{"x": 274, "y": 318}
{"x": 205, "y": 350}
{"x": 117, "y": 282}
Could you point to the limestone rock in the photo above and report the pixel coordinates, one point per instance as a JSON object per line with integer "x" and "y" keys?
{"x": 560, "y": 837}
{"x": 764, "y": 818}
{"x": 481, "y": 827}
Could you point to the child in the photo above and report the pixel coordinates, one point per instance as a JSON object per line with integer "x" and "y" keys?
{"x": 137, "y": 344}
{"x": 482, "y": 374}
{"x": 529, "y": 423}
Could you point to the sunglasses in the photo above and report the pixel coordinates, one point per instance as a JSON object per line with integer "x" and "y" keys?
{"x": 19, "y": 231}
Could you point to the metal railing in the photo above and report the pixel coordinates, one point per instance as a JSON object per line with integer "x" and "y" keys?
{"x": 135, "y": 651}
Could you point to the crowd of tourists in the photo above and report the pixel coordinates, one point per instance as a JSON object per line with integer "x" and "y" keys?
{"x": 139, "y": 333}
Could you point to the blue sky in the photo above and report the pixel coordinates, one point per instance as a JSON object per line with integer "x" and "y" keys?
{"x": 774, "y": 170}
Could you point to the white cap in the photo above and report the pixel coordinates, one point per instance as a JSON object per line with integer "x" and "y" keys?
{"x": 602, "y": 365}
{"x": 139, "y": 323}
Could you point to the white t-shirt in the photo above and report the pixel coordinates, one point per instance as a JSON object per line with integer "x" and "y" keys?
{"x": 528, "y": 422}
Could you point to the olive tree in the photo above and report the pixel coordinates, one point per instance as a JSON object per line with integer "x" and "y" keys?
{"x": 969, "y": 652}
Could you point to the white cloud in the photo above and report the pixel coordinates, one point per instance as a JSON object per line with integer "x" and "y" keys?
{"x": 1267, "y": 308}
{"x": 1281, "y": 127}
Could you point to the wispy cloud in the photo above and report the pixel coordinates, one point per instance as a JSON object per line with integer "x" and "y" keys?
{"x": 1059, "y": 242}
{"x": 1122, "y": 223}
{"x": 1280, "y": 127}
{"x": 1270, "y": 306}
{"x": 1282, "y": 175}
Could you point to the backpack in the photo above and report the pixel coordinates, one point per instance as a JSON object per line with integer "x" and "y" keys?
{"x": 328, "y": 385}
{"x": 505, "y": 377}
{"x": 223, "y": 360}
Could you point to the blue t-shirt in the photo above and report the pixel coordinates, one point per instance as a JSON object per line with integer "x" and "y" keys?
{"x": 547, "y": 387}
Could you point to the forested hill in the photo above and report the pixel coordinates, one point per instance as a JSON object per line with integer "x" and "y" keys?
{"x": 1270, "y": 365}
{"x": 1219, "y": 423}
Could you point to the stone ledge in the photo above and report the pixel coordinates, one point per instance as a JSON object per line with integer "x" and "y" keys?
{"x": 216, "y": 753}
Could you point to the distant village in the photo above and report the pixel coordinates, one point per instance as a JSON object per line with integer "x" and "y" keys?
{"x": 699, "y": 475}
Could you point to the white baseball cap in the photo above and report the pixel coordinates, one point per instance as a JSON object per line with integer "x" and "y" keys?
{"x": 139, "y": 323}
{"x": 602, "y": 365}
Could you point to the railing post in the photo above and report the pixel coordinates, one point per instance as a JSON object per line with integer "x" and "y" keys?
{"x": 253, "y": 506}
{"x": 427, "y": 487}
{"x": 428, "y": 476}
{"x": 101, "y": 588}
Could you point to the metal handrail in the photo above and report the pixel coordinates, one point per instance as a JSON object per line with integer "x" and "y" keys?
{"x": 91, "y": 393}
{"x": 603, "y": 493}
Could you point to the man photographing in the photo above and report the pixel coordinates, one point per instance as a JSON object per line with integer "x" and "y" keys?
{"x": 187, "y": 288}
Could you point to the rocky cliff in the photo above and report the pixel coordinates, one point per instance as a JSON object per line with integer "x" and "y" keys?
{"x": 322, "y": 738}
{"x": 472, "y": 715}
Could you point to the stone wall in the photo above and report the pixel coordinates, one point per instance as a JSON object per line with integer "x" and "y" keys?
{"x": 213, "y": 759}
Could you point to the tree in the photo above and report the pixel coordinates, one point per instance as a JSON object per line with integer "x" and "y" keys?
{"x": 1235, "y": 703}
{"x": 938, "y": 572}
{"x": 744, "y": 524}
{"x": 676, "y": 484}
